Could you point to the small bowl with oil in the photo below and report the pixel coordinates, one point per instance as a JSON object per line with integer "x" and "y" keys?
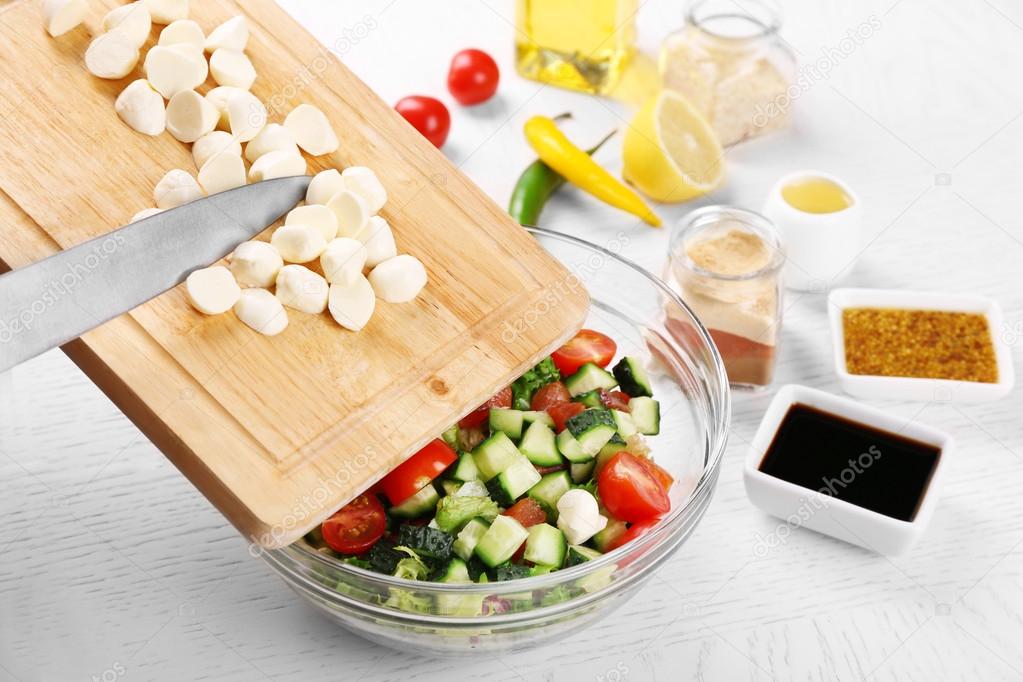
{"x": 925, "y": 346}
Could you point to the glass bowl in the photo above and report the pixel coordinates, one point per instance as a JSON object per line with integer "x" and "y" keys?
{"x": 647, "y": 320}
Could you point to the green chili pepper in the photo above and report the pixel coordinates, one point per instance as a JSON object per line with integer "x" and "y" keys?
{"x": 536, "y": 185}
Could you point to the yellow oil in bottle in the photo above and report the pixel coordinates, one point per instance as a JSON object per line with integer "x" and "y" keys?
{"x": 816, "y": 195}
{"x": 576, "y": 44}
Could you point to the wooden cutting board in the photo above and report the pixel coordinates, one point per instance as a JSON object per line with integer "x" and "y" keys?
{"x": 277, "y": 432}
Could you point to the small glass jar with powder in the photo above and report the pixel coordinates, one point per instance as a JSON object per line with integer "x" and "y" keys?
{"x": 726, "y": 264}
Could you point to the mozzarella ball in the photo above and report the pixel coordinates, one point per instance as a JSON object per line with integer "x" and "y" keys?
{"x": 142, "y": 108}
{"x": 61, "y": 16}
{"x": 233, "y": 68}
{"x": 320, "y": 217}
{"x": 379, "y": 241}
{"x": 351, "y": 212}
{"x": 212, "y": 144}
{"x": 279, "y": 164}
{"x": 173, "y": 68}
{"x": 146, "y": 213}
{"x": 364, "y": 182}
{"x": 167, "y": 11}
{"x": 352, "y": 305}
{"x": 176, "y": 188}
{"x": 221, "y": 173}
{"x": 343, "y": 260}
{"x": 132, "y": 21}
{"x": 579, "y": 517}
{"x": 190, "y": 116}
{"x": 219, "y": 97}
{"x": 323, "y": 186}
{"x": 233, "y": 34}
{"x": 212, "y": 291}
{"x": 111, "y": 56}
{"x": 256, "y": 264}
{"x": 246, "y": 115}
{"x": 272, "y": 138}
{"x": 398, "y": 279}
{"x": 312, "y": 130}
{"x": 261, "y": 311}
{"x": 183, "y": 31}
{"x": 301, "y": 289}
{"x": 298, "y": 243}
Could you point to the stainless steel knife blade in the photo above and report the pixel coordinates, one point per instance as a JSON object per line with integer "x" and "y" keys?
{"x": 49, "y": 303}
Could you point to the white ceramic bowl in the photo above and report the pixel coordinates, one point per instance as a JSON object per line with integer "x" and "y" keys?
{"x": 821, "y": 512}
{"x": 910, "y": 388}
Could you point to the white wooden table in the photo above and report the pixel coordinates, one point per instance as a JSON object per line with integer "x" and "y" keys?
{"x": 112, "y": 566}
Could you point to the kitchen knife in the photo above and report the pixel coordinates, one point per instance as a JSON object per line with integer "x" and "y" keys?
{"x": 49, "y": 303}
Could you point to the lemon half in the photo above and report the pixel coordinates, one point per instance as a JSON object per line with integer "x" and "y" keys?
{"x": 671, "y": 153}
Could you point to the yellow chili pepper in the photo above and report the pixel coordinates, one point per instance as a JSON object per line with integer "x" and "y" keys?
{"x": 558, "y": 152}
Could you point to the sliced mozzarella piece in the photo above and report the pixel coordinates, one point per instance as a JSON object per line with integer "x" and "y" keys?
{"x": 61, "y": 16}
{"x": 173, "y": 68}
{"x": 398, "y": 279}
{"x": 111, "y": 55}
{"x": 272, "y": 138}
{"x": 132, "y": 21}
{"x": 167, "y": 11}
{"x": 256, "y": 264}
{"x": 343, "y": 260}
{"x": 183, "y": 32}
{"x": 298, "y": 243}
{"x": 379, "y": 241}
{"x": 352, "y": 305}
{"x": 351, "y": 212}
{"x": 221, "y": 173}
{"x": 366, "y": 184}
{"x": 146, "y": 213}
{"x": 142, "y": 108}
{"x": 279, "y": 164}
{"x": 190, "y": 116}
{"x": 246, "y": 115}
{"x": 320, "y": 217}
{"x": 261, "y": 310}
{"x": 301, "y": 289}
{"x": 233, "y": 34}
{"x": 233, "y": 68}
{"x": 312, "y": 130}
{"x": 212, "y": 291}
{"x": 323, "y": 186}
{"x": 176, "y": 188}
{"x": 212, "y": 144}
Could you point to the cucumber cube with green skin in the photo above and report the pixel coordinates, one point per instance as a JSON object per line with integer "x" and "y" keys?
{"x": 612, "y": 531}
{"x": 501, "y": 541}
{"x": 494, "y": 455}
{"x": 592, "y": 428}
{"x": 511, "y": 572}
{"x": 581, "y": 471}
{"x": 508, "y": 421}
{"x": 420, "y": 504}
{"x": 646, "y": 413}
{"x": 571, "y": 449}
{"x": 626, "y": 425}
{"x": 578, "y": 554}
{"x": 469, "y": 537}
{"x": 538, "y": 416}
{"x": 453, "y": 570}
{"x": 632, "y": 377}
{"x": 539, "y": 445}
{"x": 451, "y": 436}
{"x": 549, "y": 490}
{"x": 465, "y": 468}
{"x": 428, "y": 542}
{"x": 588, "y": 378}
{"x": 545, "y": 545}
{"x": 589, "y": 399}
{"x": 513, "y": 482}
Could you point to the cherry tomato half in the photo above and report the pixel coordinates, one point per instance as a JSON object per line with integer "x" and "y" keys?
{"x": 473, "y": 77}
{"x": 355, "y": 527}
{"x": 527, "y": 512}
{"x": 614, "y": 400}
{"x": 586, "y": 346}
{"x": 417, "y": 471}
{"x": 562, "y": 412}
{"x": 630, "y": 491}
{"x": 634, "y": 531}
{"x": 427, "y": 115}
{"x": 550, "y": 395}
{"x": 663, "y": 477}
{"x": 477, "y": 417}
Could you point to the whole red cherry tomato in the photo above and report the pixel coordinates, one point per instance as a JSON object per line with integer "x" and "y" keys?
{"x": 427, "y": 115}
{"x": 473, "y": 77}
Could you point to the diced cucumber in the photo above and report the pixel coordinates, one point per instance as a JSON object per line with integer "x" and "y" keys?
{"x": 429, "y": 542}
{"x": 626, "y": 425}
{"x": 473, "y": 488}
{"x": 539, "y": 446}
{"x": 538, "y": 416}
{"x": 592, "y": 428}
{"x": 493, "y": 455}
{"x": 612, "y": 531}
{"x": 469, "y": 537}
{"x": 540, "y": 569}
{"x": 646, "y": 413}
{"x": 451, "y": 436}
{"x": 581, "y": 471}
{"x": 511, "y": 572}
{"x": 501, "y": 541}
{"x": 606, "y": 453}
{"x": 589, "y": 377}
{"x": 549, "y": 490}
{"x": 545, "y": 545}
{"x": 456, "y": 572}
{"x": 589, "y": 399}
{"x": 514, "y": 481}
{"x": 632, "y": 377}
{"x": 570, "y": 448}
{"x": 420, "y": 504}
{"x": 578, "y": 554}
{"x": 453, "y": 570}
{"x": 509, "y": 421}
{"x": 449, "y": 487}
{"x": 465, "y": 468}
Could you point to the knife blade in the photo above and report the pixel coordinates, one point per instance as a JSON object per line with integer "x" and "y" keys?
{"x": 47, "y": 304}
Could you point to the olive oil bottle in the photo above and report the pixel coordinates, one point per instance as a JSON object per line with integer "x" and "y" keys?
{"x": 576, "y": 44}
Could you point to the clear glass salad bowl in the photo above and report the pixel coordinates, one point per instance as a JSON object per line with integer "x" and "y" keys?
{"x": 647, "y": 320}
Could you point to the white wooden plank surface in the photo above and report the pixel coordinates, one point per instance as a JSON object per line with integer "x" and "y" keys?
{"x": 112, "y": 566}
